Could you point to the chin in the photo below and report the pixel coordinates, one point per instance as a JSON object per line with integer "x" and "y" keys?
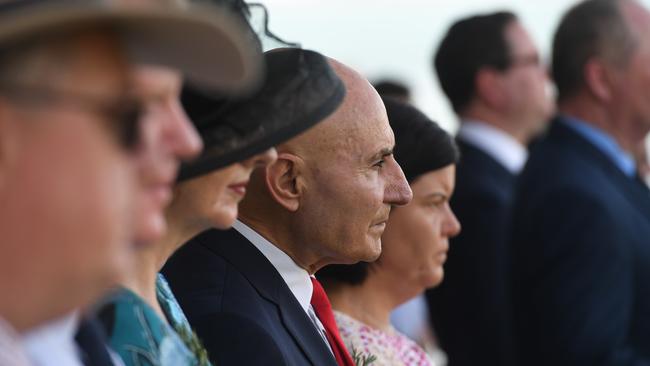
{"x": 371, "y": 253}
{"x": 150, "y": 230}
{"x": 224, "y": 219}
{"x": 434, "y": 278}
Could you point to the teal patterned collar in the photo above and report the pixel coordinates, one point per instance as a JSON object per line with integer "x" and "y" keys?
{"x": 178, "y": 321}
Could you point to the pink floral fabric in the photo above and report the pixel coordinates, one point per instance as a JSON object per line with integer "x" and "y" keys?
{"x": 391, "y": 348}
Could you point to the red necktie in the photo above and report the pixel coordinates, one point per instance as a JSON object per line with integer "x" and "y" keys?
{"x": 323, "y": 310}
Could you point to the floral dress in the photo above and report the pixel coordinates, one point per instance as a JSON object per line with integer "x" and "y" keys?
{"x": 390, "y": 348}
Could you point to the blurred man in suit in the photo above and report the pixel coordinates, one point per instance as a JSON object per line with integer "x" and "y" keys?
{"x": 248, "y": 291}
{"x": 581, "y": 250}
{"x": 490, "y": 70}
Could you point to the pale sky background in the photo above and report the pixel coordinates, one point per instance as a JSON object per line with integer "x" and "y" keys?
{"x": 397, "y": 38}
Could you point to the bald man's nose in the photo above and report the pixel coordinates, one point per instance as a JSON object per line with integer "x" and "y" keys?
{"x": 398, "y": 192}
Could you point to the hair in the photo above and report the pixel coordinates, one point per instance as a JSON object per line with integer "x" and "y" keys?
{"x": 393, "y": 89}
{"x": 421, "y": 146}
{"x": 470, "y": 45}
{"x": 593, "y": 28}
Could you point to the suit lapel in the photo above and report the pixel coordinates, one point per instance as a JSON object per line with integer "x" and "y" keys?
{"x": 92, "y": 344}
{"x": 262, "y": 275}
{"x": 304, "y": 333}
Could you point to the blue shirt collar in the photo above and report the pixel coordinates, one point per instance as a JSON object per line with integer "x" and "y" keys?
{"x": 603, "y": 142}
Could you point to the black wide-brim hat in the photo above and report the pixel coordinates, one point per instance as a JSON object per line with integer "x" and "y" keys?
{"x": 300, "y": 90}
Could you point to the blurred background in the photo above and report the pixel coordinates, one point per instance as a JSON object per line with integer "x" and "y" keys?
{"x": 396, "y": 39}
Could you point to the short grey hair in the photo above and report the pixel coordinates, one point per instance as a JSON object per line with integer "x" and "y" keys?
{"x": 592, "y": 28}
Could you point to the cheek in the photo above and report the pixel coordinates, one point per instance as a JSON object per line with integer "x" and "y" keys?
{"x": 530, "y": 90}
{"x": 111, "y": 216}
{"x": 224, "y": 208}
{"x": 339, "y": 217}
{"x": 416, "y": 234}
{"x": 90, "y": 213}
{"x": 150, "y": 219}
{"x": 642, "y": 91}
{"x": 68, "y": 207}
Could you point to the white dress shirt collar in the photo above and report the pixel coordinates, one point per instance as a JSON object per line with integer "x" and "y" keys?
{"x": 53, "y": 343}
{"x": 296, "y": 277}
{"x": 502, "y": 147}
{"x": 11, "y": 349}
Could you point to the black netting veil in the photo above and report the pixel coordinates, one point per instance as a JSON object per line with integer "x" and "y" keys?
{"x": 300, "y": 90}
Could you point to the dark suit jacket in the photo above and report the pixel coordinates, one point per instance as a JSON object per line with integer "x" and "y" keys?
{"x": 240, "y": 306}
{"x": 92, "y": 342}
{"x": 581, "y": 258}
{"x": 471, "y": 309}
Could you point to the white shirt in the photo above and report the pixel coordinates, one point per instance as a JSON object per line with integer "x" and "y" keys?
{"x": 11, "y": 349}
{"x": 297, "y": 278}
{"x": 53, "y": 343}
{"x": 501, "y": 146}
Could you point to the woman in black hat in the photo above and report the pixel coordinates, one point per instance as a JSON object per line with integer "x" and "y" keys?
{"x": 414, "y": 245}
{"x": 144, "y": 321}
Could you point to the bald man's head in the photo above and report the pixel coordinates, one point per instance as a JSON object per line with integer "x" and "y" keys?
{"x": 333, "y": 186}
{"x": 338, "y": 131}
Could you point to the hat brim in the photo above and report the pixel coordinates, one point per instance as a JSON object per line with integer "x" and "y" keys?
{"x": 209, "y": 45}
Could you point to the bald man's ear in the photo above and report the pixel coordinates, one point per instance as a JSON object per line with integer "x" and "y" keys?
{"x": 284, "y": 180}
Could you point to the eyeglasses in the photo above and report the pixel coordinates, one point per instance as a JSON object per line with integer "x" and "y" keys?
{"x": 124, "y": 113}
{"x": 524, "y": 60}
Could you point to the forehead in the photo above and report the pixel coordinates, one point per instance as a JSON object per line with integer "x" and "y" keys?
{"x": 153, "y": 82}
{"x": 638, "y": 20}
{"x": 518, "y": 39}
{"x": 96, "y": 64}
{"x": 435, "y": 181}
{"x": 364, "y": 129}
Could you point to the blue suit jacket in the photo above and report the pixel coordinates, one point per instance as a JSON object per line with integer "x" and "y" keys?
{"x": 240, "y": 306}
{"x": 581, "y": 257}
{"x": 471, "y": 310}
{"x": 92, "y": 342}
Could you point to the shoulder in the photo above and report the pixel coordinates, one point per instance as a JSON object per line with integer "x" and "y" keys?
{"x": 562, "y": 160}
{"x": 478, "y": 176}
{"x": 138, "y": 335}
{"x": 234, "y": 338}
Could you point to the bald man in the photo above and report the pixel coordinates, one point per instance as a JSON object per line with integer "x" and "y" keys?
{"x": 248, "y": 291}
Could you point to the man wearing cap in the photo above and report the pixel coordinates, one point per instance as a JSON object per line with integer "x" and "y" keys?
{"x": 69, "y": 146}
{"x": 249, "y": 292}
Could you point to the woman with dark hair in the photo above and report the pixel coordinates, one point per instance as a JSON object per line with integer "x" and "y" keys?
{"x": 414, "y": 245}
{"x": 144, "y": 321}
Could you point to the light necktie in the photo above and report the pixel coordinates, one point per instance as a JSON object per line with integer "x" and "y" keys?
{"x": 323, "y": 310}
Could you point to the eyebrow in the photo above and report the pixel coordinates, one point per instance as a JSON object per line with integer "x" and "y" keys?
{"x": 381, "y": 154}
{"x": 436, "y": 195}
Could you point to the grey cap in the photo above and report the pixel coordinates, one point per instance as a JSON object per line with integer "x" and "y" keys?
{"x": 207, "y": 44}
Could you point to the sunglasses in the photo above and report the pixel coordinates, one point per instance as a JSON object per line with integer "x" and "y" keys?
{"x": 123, "y": 113}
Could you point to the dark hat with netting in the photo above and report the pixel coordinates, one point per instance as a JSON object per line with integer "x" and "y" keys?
{"x": 256, "y": 16}
{"x": 300, "y": 90}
